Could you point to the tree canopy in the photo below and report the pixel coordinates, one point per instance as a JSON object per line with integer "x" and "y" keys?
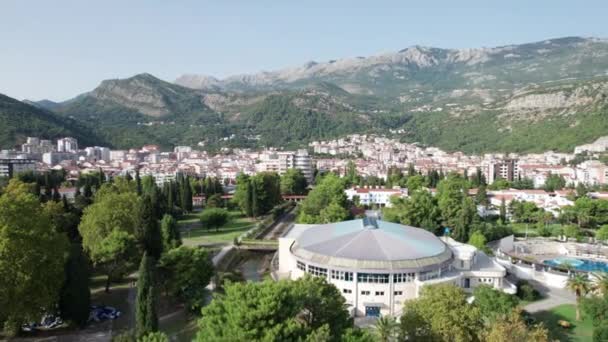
{"x": 32, "y": 257}
{"x": 109, "y": 229}
{"x": 275, "y": 311}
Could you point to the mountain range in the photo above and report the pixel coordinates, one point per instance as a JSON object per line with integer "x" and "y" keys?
{"x": 518, "y": 98}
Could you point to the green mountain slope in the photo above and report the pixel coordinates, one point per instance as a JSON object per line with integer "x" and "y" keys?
{"x": 529, "y": 97}
{"x": 19, "y": 120}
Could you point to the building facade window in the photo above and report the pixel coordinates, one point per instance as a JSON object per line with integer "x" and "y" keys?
{"x": 317, "y": 271}
{"x": 379, "y": 293}
{"x": 398, "y": 293}
{"x": 365, "y": 293}
{"x": 301, "y": 266}
{"x": 341, "y": 275}
{"x": 347, "y": 291}
{"x": 381, "y": 278}
{"x": 403, "y": 277}
{"x": 429, "y": 275}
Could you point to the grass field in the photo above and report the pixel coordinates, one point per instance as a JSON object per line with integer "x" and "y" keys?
{"x": 581, "y": 331}
{"x": 193, "y": 234}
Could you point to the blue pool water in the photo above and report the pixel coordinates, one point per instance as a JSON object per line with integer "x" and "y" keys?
{"x": 579, "y": 264}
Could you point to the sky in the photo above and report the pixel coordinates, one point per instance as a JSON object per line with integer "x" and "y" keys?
{"x": 59, "y": 49}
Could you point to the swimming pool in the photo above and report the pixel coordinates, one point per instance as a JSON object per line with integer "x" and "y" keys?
{"x": 578, "y": 264}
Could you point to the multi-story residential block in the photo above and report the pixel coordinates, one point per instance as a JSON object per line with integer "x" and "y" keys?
{"x": 67, "y": 144}
{"x": 11, "y": 167}
{"x": 375, "y": 195}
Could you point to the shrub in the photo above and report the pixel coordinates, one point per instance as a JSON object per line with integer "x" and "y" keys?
{"x": 526, "y": 292}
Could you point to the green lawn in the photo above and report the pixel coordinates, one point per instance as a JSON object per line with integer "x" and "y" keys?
{"x": 193, "y": 234}
{"x": 581, "y": 331}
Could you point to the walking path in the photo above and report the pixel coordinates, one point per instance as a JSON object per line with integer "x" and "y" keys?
{"x": 552, "y": 297}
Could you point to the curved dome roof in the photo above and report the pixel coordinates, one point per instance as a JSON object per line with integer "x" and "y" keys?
{"x": 371, "y": 244}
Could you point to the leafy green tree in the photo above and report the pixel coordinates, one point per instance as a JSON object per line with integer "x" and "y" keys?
{"x": 450, "y": 194}
{"x": 275, "y": 311}
{"x": 482, "y": 196}
{"x": 293, "y": 182}
{"x": 242, "y": 193}
{"x": 554, "y": 182}
{"x": 108, "y": 229}
{"x": 32, "y": 257}
{"x": 521, "y": 184}
{"x": 185, "y": 272}
{"x": 146, "y": 319}
{"x": 214, "y": 201}
{"x": 445, "y": 314}
{"x": 329, "y": 190}
{"x": 75, "y": 295}
{"x": 579, "y": 284}
{"x": 499, "y": 184}
{"x": 493, "y": 304}
{"x": 478, "y": 240}
{"x": 214, "y": 218}
{"x": 414, "y": 327}
{"x": 415, "y": 183}
{"x": 466, "y": 217}
{"x": 351, "y": 176}
{"x": 602, "y": 233}
{"x": 154, "y": 337}
{"x": 571, "y": 231}
{"x": 171, "y": 236}
{"x": 513, "y": 328}
{"x": 334, "y": 212}
{"x": 419, "y": 210}
{"x": 150, "y": 231}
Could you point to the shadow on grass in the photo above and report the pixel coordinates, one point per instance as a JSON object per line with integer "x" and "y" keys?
{"x": 579, "y": 331}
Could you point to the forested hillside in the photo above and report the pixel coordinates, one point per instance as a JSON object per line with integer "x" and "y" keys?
{"x": 19, "y": 120}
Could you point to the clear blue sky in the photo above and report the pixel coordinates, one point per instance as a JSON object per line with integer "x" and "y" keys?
{"x": 58, "y": 49}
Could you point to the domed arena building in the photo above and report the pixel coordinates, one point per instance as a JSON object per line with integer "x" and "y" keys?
{"x": 378, "y": 265}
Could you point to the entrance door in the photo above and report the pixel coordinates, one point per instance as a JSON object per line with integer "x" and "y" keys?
{"x": 467, "y": 283}
{"x": 372, "y": 311}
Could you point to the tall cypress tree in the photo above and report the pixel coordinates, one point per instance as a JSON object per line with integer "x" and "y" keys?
{"x": 188, "y": 194}
{"x": 146, "y": 319}
{"x": 75, "y": 295}
{"x": 170, "y": 233}
{"x": 138, "y": 181}
{"x": 151, "y": 235}
{"x": 249, "y": 199}
{"x": 255, "y": 203}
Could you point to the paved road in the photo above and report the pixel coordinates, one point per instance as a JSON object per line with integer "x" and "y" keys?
{"x": 552, "y": 297}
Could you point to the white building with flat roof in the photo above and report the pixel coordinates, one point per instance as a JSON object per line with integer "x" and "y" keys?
{"x": 378, "y": 265}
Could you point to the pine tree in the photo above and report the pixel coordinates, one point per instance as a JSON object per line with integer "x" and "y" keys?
{"x": 145, "y": 310}
{"x": 151, "y": 235}
{"x": 75, "y": 295}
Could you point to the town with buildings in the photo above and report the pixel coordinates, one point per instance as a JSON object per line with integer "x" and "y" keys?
{"x": 372, "y": 156}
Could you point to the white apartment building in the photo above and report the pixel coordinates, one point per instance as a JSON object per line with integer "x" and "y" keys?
{"x": 67, "y": 144}
{"x": 375, "y": 196}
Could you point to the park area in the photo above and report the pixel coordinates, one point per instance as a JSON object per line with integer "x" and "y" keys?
{"x": 194, "y": 234}
{"x": 579, "y": 331}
